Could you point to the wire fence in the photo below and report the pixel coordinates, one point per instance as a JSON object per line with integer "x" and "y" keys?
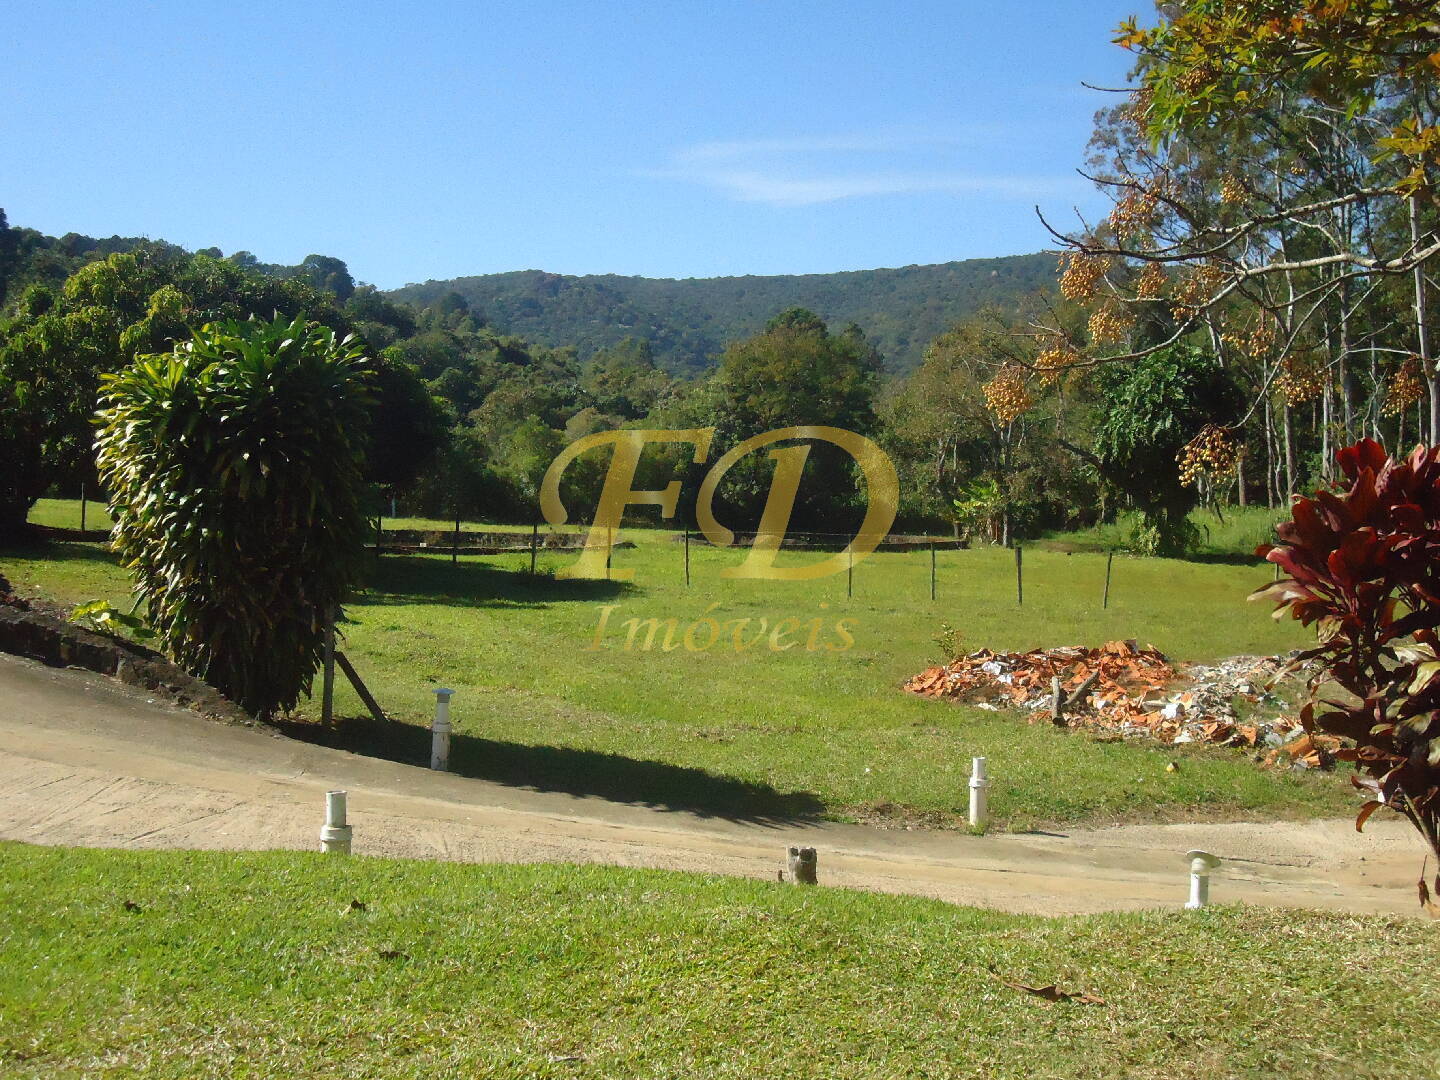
{"x": 930, "y": 563}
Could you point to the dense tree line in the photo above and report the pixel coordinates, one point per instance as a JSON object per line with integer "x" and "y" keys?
{"x": 126, "y": 300}
{"x": 470, "y": 417}
{"x": 687, "y": 323}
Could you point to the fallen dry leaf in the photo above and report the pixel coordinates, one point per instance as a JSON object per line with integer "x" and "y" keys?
{"x": 1430, "y": 907}
{"x": 1050, "y": 993}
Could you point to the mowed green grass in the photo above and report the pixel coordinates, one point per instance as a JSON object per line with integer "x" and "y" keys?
{"x": 65, "y": 514}
{"x": 1231, "y": 531}
{"x": 780, "y": 732}
{"x": 258, "y": 965}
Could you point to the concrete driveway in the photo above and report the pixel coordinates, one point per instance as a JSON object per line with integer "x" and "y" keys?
{"x": 87, "y": 761}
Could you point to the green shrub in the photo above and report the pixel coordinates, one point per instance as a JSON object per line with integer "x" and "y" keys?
{"x": 234, "y": 469}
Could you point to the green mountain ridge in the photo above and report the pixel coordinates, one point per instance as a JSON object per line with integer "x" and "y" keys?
{"x": 688, "y": 321}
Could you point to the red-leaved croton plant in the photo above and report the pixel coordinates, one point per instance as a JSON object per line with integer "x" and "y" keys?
{"x": 1364, "y": 568}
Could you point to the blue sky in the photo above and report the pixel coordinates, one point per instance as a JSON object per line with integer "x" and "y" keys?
{"x": 674, "y": 139}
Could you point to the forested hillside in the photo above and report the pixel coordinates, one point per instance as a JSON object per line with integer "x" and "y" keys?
{"x": 688, "y": 322}
{"x": 30, "y": 257}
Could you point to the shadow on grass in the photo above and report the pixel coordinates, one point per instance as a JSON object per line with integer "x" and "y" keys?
{"x": 1228, "y": 558}
{"x": 418, "y": 580}
{"x": 575, "y": 772}
{"x": 1087, "y": 547}
{"x": 58, "y": 550}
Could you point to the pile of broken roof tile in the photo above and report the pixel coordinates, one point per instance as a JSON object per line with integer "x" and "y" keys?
{"x": 1133, "y": 692}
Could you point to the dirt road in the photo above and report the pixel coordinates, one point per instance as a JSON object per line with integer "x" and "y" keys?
{"x": 86, "y": 761}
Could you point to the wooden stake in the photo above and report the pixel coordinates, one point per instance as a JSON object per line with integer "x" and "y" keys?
{"x": 82, "y": 507}
{"x": 534, "y": 545}
{"x": 850, "y": 576}
{"x": 932, "y": 569}
{"x": 1019, "y": 579}
{"x": 1109, "y": 558}
{"x": 687, "y": 556}
{"x": 1059, "y": 700}
{"x": 455, "y": 550}
{"x": 327, "y": 691}
{"x": 360, "y": 687}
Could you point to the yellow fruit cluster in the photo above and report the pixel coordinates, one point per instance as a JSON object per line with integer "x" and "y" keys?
{"x": 1196, "y": 79}
{"x": 1254, "y": 343}
{"x": 1150, "y": 285}
{"x": 1053, "y": 360}
{"x": 1209, "y": 455}
{"x": 1080, "y": 275}
{"x": 1138, "y": 110}
{"x": 1134, "y": 213}
{"x": 1231, "y": 190}
{"x": 1299, "y": 382}
{"x": 1196, "y": 290}
{"x": 1006, "y": 395}
{"x": 1110, "y": 323}
{"x": 1405, "y": 388}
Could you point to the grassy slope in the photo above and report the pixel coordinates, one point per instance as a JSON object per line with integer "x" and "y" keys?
{"x": 1231, "y": 532}
{"x": 254, "y": 965}
{"x": 793, "y": 733}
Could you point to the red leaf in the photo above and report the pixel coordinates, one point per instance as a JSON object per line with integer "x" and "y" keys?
{"x": 1365, "y": 812}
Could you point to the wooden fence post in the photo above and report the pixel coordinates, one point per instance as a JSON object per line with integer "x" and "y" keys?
{"x": 82, "y": 506}
{"x": 932, "y": 569}
{"x": 687, "y": 556}
{"x": 534, "y": 545}
{"x": 327, "y": 685}
{"x": 1019, "y": 578}
{"x": 1109, "y": 558}
{"x": 455, "y": 548}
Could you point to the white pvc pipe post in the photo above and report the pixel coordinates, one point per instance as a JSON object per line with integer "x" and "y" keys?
{"x": 335, "y": 834}
{"x": 979, "y": 786}
{"x": 440, "y": 731}
{"x": 1201, "y": 863}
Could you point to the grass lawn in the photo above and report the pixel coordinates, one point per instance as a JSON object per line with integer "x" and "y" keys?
{"x": 771, "y": 732}
{"x": 256, "y": 965}
{"x": 1233, "y": 531}
{"x": 65, "y": 514}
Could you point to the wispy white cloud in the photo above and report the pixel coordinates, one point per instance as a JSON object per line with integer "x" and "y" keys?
{"x": 808, "y": 170}
{"x": 812, "y": 144}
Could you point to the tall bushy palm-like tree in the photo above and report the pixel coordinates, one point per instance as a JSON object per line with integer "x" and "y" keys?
{"x": 234, "y": 465}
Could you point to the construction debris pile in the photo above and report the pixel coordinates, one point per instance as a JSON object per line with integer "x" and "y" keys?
{"x": 1126, "y": 691}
